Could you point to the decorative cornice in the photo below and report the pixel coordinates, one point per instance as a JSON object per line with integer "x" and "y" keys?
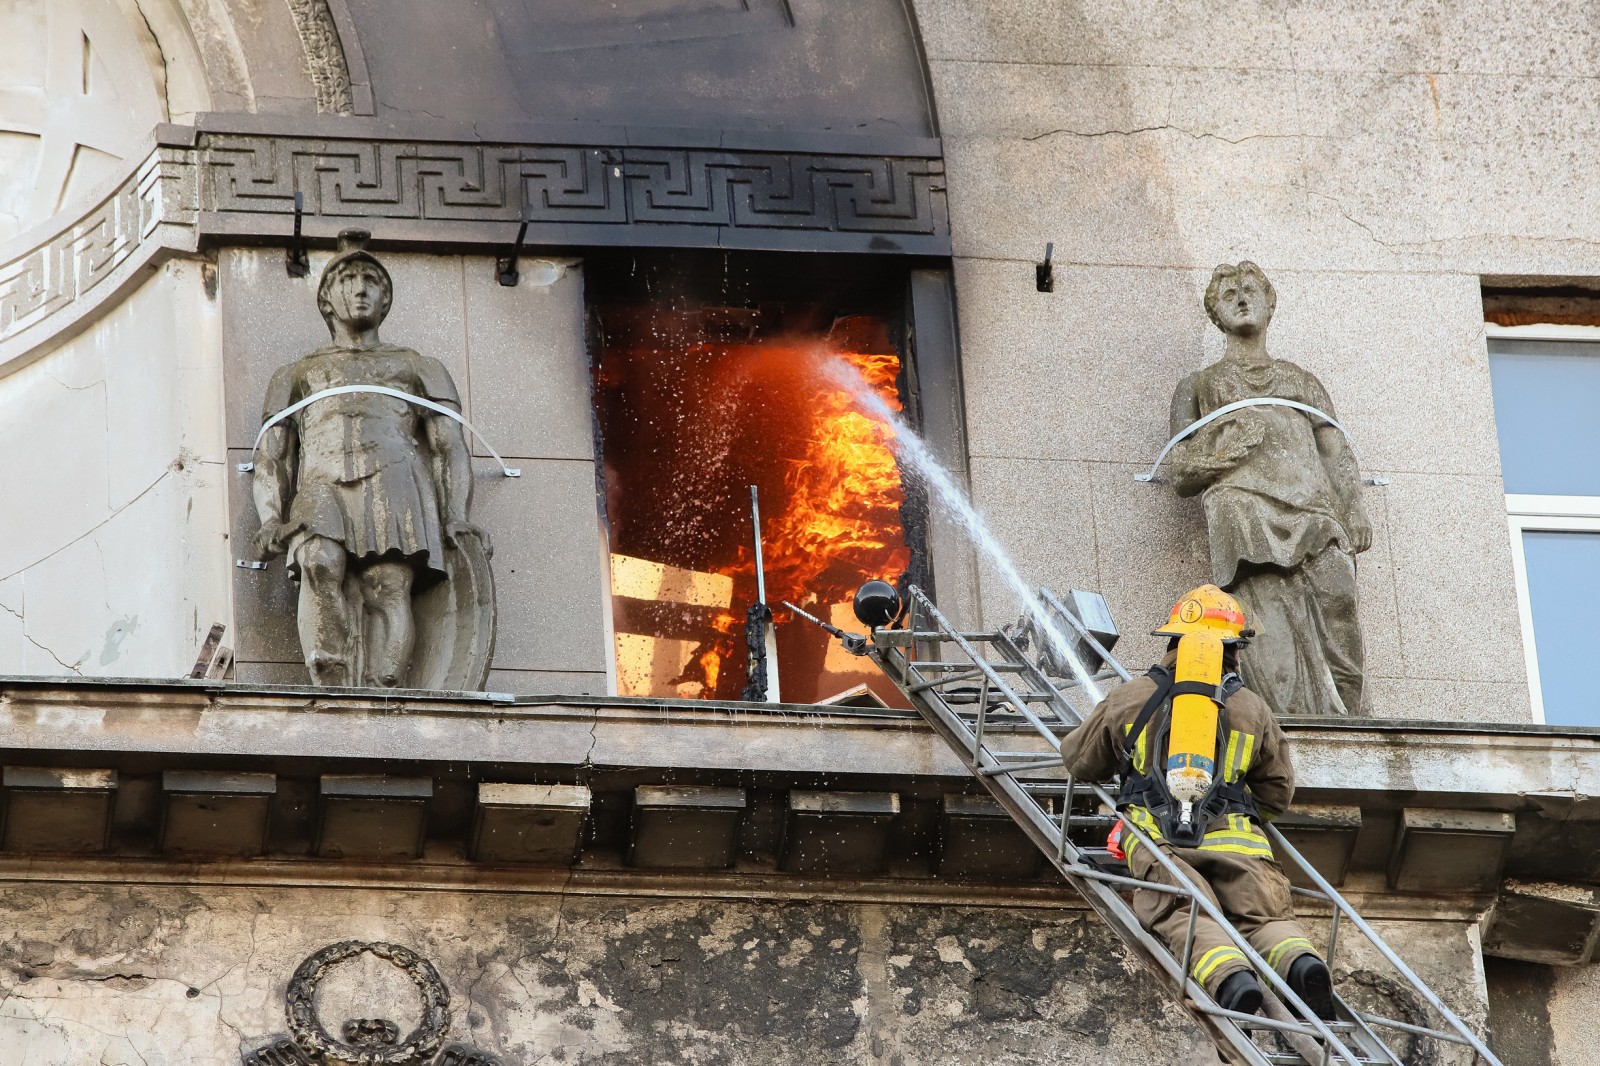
{"x": 583, "y": 194}
{"x": 198, "y": 189}
{"x": 48, "y": 286}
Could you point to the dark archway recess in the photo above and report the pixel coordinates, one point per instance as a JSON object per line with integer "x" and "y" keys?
{"x": 751, "y": 66}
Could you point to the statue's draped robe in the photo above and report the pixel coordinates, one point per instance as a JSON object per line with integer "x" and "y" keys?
{"x": 365, "y": 477}
{"x": 1278, "y": 540}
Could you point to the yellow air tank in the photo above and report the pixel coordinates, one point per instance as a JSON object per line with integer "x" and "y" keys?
{"x": 1192, "y": 742}
{"x": 1204, "y": 621}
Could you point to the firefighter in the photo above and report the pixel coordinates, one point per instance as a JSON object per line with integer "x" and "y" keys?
{"x": 1214, "y": 835}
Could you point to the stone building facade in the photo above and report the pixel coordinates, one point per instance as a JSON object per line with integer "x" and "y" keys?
{"x": 610, "y": 879}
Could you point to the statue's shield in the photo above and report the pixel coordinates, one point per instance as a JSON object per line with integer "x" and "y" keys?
{"x": 455, "y": 623}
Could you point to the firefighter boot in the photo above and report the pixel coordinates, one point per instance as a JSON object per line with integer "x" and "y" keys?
{"x": 1240, "y": 991}
{"x": 1309, "y": 977}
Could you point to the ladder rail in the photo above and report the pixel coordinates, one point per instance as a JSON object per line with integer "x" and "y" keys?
{"x": 1026, "y": 811}
{"x": 1110, "y": 906}
{"x": 1097, "y": 886}
{"x": 1463, "y": 1034}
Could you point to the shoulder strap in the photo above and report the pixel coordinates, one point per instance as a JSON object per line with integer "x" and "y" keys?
{"x": 1164, "y": 686}
{"x": 1231, "y": 683}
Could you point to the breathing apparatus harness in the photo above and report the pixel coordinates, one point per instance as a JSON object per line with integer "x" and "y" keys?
{"x": 1149, "y": 789}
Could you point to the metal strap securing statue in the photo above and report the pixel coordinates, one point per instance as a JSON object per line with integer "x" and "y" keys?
{"x": 366, "y": 489}
{"x": 1282, "y": 497}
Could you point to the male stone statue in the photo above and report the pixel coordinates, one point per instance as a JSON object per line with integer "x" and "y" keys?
{"x": 368, "y": 494}
{"x": 1282, "y": 498}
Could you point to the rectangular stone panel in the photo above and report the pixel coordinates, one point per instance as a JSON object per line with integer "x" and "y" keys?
{"x": 537, "y": 824}
{"x": 53, "y": 810}
{"x": 1450, "y": 851}
{"x": 529, "y": 366}
{"x": 838, "y": 833}
{"x": 373, "y": 817}
{"x": 210, "y": 812}
{"x": 1324, "y": 835}
{"x": 685, "y": 827}
{"x": 978, "y": 841}
{"x": 1553, "y": 924}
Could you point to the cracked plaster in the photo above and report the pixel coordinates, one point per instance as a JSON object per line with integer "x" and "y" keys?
{"x": 133, "y": 976}
{"x": 116, "y": 564}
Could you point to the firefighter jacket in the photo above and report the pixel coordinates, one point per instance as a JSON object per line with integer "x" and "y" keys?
{"x": 1252, "y": 751}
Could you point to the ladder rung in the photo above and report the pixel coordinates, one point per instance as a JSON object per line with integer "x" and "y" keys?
{"x": 948, "y": 693}
{"x": 940, "y": 664}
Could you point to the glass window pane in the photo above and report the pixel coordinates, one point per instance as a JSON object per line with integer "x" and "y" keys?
{"x": 1546, "y": 409}
{"x": 1564, "y": 590}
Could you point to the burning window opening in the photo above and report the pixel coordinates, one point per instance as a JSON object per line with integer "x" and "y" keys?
{"x": 695, "y": 401}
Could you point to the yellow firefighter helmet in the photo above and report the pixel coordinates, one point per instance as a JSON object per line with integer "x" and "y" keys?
{"x": 1206, "y": 609}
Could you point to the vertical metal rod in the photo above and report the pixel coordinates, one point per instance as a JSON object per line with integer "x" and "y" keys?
{"x": 1333, "y": 938}
{"x": 1188, "y": 939}
{"x": 983, "y": 714}
{"x": 1066, "y": 817}
{"x": 755, "y": 517}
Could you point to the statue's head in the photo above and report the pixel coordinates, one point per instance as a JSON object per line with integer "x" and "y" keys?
{"x": 355, "y": 288}
{"x": 1240, "y": 299}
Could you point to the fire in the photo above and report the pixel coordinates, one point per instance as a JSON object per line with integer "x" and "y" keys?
{"x": 689, "y": 420}
{"x": 844, "y": 494}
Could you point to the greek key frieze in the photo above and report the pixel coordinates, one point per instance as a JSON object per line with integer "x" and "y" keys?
{"x": 232, "y": 185}
{"x": 71, "y": 263}
{"x": 592, "y": 186}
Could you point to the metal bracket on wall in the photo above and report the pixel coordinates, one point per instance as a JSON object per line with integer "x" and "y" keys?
{"x": 1044, "y": 274}
{"x": 295, "y": 260}
{"x": 506, "y": 266}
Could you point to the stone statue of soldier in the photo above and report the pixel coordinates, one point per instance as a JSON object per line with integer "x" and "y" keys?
{"x": 1282, "y": 497}
{"x": 367, "y": 493}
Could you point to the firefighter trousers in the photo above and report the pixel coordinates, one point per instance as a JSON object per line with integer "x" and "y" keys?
{"x": 1252, "y": 891}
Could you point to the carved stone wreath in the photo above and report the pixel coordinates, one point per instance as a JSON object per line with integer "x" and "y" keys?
{"x": 367, "y": 1041}
{"x": 309, "y": 1033}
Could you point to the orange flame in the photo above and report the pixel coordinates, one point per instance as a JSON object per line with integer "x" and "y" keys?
{"x": 689, "y": 425}
{"x": 844, "y": 495}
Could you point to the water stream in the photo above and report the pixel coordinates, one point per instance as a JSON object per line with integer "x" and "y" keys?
{"x": 948, "y": 494}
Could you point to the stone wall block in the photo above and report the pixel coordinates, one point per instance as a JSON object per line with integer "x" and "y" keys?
{"x": 1013, "y": 101}
{"x": 1449, "y": 700}
{"x": 1452, "y": 559}
{"x": 1142, "y": 32}
{"x": 1103, "y": 200}
{"x": 1411, "y": 381}
{"x": 1043, "y": 514}
{"x": 549, "y": 576}
{"x": 548, "y": 682}
{"x": 530, "y": 365}
{"x": 1076, "y": 373}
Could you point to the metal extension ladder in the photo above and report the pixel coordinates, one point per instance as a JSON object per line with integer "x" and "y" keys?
{"x": 975, "y": 689}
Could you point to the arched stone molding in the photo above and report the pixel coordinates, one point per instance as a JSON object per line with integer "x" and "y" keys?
{"x": 334, "y": 60}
